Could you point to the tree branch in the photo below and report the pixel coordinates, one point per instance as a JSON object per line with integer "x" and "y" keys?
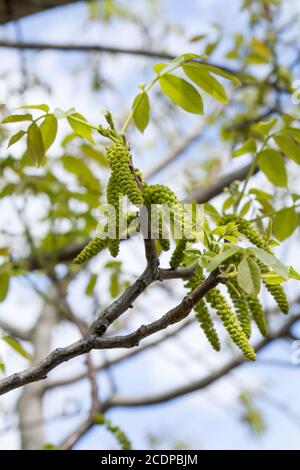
{"x": 92, "y": 341}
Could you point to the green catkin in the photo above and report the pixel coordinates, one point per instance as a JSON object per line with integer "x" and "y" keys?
{"x": 114, "y": 247}
{"x": 164, "y": 243}
{"x": 121, "y": 437}
{"x": 207, "y": 325}
{"x": 279, "y": 296}
{"x": 92, "y": 249}
{"x": 241, "y": 306}
{"x": 178, "y": 254}
{"x": 258, "y": 314}
{"x": 276, "y": 291}
{"x": 123, "y": 179}
{"x": 231, "y": 323}
{"x": 253, "y": 235}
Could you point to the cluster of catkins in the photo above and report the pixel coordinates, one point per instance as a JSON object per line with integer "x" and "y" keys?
{"x": 237, "y": 317}
{"x": 127, "y": 181}
{"x": 228, "y": 316}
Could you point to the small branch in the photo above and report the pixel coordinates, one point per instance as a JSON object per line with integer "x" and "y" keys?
{"x": 85, "y": 345}
{"x": 118, "y": 360}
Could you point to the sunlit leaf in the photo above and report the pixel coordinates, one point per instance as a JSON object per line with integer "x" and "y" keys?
{"x": 181, "y": 93}
{"x": 272, "y": 165}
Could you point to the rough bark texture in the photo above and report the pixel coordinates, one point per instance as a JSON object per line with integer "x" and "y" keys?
{"x": 15, "y": 9}
{"x": 30, "y": 403}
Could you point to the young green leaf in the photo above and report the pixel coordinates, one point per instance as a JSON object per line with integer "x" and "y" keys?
{"x": 271, "y": 261}
{"x": 159, "y": 68}
{"x": 4, "y": 285}
{"x": 221, "y": 73}
{"x": 14, "y": 344}
{"x": 17, "y": 118}
{"x": 15, "y": 138}
{"x": 91, "y": 284}
{"x": 294, "y": 274}
{"x": 293, "y": 132}
{"x": 221, "y": 257}
{"x": 248, "y": 276}
{"x": 49, "y": 130}
{"x": 207, "y": 82}
{"x": 182, "y": 93}
{"x": 289, "y": 147}
{"x": 35, "y": 145}
{"x": 264, "y": 127}
{"x": 285, "y": 223}
{"x": 272, "y": 165}
{"x": 80, "y": 128}
{"x": 248, "y": 147}
{"x": 141, "y": 111}
{"x": 272, "y": 278}
{"x": 41, "y": 107}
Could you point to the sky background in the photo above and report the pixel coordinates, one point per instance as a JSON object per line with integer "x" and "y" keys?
{"x": 208, "y": 419}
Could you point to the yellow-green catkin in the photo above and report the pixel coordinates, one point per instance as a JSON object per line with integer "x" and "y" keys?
{"x": 231, "y": 323}
{"x": 241, "y": 307}
{"x": 276, "y": 291}
{"x": 279, "y": 296}
{"x": 162, "y": 195}
{"x": 92, "y": 249}
{"x": 258, "y": 314}
{"x": 206, "y": 324}
{"x": 178, "y": 254}
{"x": 123, "y": 179}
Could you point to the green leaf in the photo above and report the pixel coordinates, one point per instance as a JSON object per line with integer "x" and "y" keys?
{"x": 272, "y": 165}
{"x": 294, "y": 274}
{"x": 159, "y": 67}
{"x": 49, "y": 130}
{"x": 271, "y": 261}
{"x": 293, "y": 132}
{"x": 272, "y": 278}
{"x": 248, "y": 276}
{"x": 94, "y": 154}
{"x": 114, "y": 284}
{"x": 245, "y": 208}
{"x": 15, "y": 138}
{"x": 181, "y": 93}
{"x": 289, "y": 147}
{"x": 221, "y": 257}
{"x": 42, "y": 107}
{"x": 17, "y": 118}
{"x": 83, "y": 173}
{"x": 248, "y": 147}
{"x": 207, "y": 82}
{"x": 79, "y": 127}
{"x": 14, "y": 344}
{"x": 35, "y": 145}
{"x": 91, "y": 285}
{"x": 4, "y": 285}
{"x": 221, "y": 73}
{"x": 264, "y": 127}
{"x": 2, "y": 365}
{"x": 141, "y": 111}
{"x": 285, "y": 223}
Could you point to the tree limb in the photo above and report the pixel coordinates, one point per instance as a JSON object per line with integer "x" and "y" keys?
{"x": 92, "y": 341}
